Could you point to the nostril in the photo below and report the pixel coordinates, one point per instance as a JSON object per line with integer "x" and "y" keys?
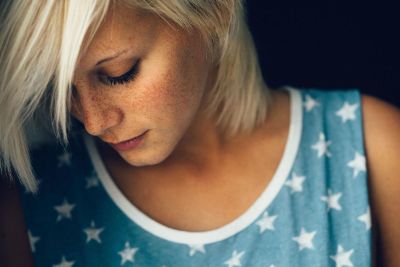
{"x": 92, "y": 128}
{"x": 97, "y": 122}
{"x": 92, "y": 121}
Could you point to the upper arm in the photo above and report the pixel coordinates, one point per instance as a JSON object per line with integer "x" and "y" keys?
{"x": 14, "y": 242}
{"x": 382, "y": 144}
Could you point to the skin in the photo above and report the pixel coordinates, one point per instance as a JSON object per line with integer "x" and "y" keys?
{"x": 184, "y": 161}
{"x": 382, "y": 145}
{"x": 164, "y": 99}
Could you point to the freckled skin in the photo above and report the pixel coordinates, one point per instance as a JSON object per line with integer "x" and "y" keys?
{"x": 183, "y": 162}
{"x": 164, "y": 98}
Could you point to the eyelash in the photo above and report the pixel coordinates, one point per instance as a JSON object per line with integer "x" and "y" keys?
{"x": 124, "y": 78}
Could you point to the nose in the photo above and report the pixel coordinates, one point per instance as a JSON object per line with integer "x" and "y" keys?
{"x": 96, "y": 112}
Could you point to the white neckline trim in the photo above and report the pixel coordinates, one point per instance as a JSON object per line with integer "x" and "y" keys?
{"x": 228, "y": 230}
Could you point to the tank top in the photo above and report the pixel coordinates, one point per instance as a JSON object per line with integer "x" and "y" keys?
{"x": 313, "y": 212}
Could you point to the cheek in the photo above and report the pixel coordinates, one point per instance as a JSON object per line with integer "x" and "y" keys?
{"x": 171, "y": 89}
{"x": 172, "y": 96}
{"x": 172, "y": 101}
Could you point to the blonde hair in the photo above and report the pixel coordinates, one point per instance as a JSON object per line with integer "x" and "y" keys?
{"x": 41, "y": 42}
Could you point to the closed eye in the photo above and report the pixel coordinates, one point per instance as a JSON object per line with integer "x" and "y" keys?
{"x": 124, "y": 78}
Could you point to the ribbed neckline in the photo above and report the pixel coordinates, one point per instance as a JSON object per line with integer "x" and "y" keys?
{"x": 230, "y": 229}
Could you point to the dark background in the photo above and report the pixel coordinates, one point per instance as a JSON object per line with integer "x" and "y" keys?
{"x": 328, "y": 45}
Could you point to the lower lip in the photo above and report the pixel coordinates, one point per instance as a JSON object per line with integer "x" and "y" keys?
{"x": 130, "y": 144}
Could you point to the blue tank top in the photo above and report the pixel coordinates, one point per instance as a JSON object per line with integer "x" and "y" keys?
{"x": 314, "y": 212}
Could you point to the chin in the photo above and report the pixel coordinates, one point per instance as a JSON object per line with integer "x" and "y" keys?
{"x": 145, "y": 158}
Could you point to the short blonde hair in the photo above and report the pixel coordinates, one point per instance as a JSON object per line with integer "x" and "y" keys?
{"x": 41, "y": 42}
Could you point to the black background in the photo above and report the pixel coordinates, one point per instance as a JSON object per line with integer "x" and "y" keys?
{"x": 328, "y": 45}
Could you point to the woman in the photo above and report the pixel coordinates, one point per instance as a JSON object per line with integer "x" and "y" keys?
{"x": 185, "y": 157}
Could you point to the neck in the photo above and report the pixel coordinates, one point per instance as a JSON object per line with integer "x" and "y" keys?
{"x": 201, "y": 146}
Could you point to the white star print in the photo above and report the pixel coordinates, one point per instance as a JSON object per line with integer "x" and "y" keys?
{"x": 235, "y": 259}
{"x": 358, "y": 164}
{"x": 342, "y": 258}
{"x": 127, "y": 254}
{"x": 332, "y": 200}
{"x": 310, "y": 103}
{"x": 267, "y": 222}
{"x": 347, "y": 112}
{"x": 93, "y": 233}
{"x": 322, "y": 146}
{"x": 305, "y": 239}
{"x": 64, "y": 210}
{"x": 64, "y": 263}
{"x": 64, "y": 159}
{"x": 366, "y": 218}
{"x": 33, "y": 240}
{"x": 92, "y": 182}
{"x": 296, "y": 183}
{"x": 196, "y": 248}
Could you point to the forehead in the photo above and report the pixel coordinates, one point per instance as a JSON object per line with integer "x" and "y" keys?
{"x": 122, "y": 27}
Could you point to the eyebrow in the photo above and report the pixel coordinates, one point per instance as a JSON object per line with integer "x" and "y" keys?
{"x": 111, "y": 57}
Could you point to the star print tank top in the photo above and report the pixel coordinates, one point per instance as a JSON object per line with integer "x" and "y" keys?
{"x": 313, "y": 212}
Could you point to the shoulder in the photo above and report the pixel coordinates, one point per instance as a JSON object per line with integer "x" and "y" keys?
{"x": 381, "y": 119}
{"x": 14, "y": 242}
{"x": 381, "y": 122}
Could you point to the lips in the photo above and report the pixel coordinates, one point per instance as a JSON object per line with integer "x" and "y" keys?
{"x": 122, "y": 142}
{"x": 129, "y": 144}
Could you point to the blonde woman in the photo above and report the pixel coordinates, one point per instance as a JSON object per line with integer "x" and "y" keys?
{"x": 174, "y": 152}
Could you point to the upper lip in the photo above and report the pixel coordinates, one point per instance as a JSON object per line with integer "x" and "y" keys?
{"x": 116, "y": 143}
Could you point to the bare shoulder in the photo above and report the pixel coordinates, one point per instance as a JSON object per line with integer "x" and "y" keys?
{"x": 382, "y": 143}
{"x": 14, "y": 242}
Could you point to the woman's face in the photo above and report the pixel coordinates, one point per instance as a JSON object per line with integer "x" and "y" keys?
{"x": 162, "y": 97}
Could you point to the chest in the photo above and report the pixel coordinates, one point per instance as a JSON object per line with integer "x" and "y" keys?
{"x": 200, "y": 200}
